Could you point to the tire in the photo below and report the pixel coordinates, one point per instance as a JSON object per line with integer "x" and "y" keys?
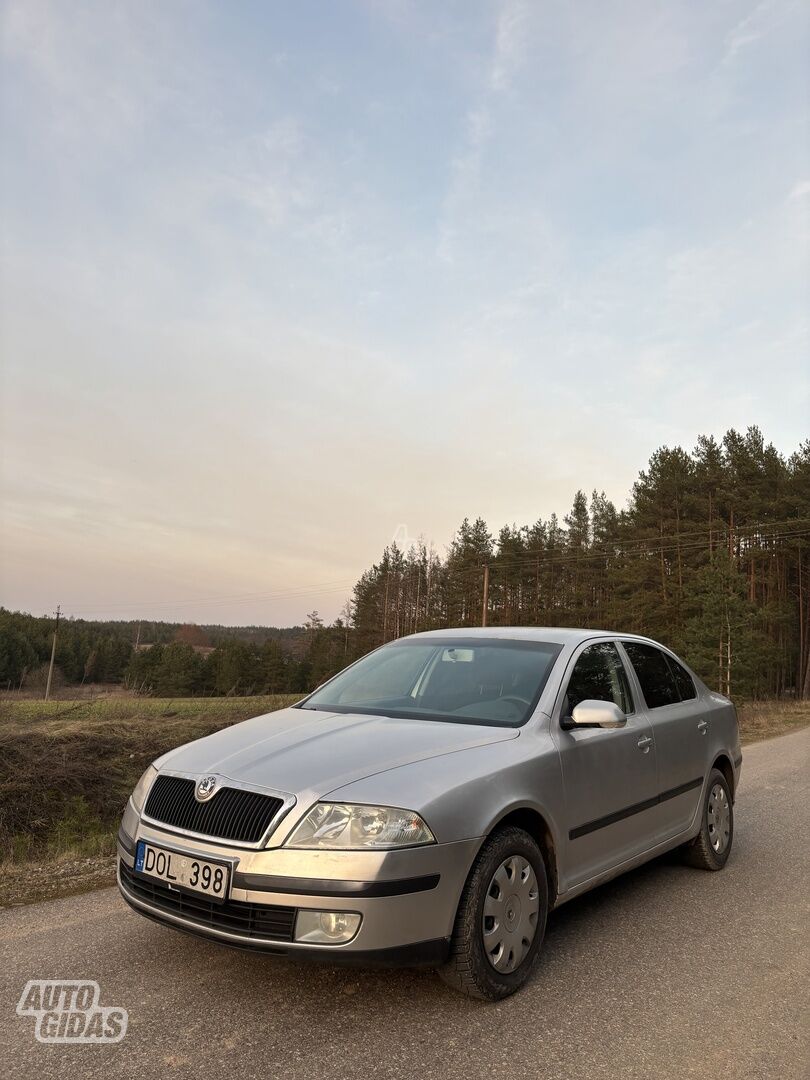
{"x": 711, "y": 847}
{"x": 471, "y": 967}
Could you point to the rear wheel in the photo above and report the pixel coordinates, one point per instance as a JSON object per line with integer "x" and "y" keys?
{"x": 711, "y": 847}
{"x": 501, "y": 918}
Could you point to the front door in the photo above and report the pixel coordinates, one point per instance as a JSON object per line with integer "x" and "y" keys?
{"x": 609, "y": 775}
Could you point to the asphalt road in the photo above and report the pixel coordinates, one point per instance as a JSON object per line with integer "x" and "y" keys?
{"x": 667, "y": 972}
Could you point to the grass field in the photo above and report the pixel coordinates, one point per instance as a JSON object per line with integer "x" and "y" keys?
{"x": 67, "y": 768}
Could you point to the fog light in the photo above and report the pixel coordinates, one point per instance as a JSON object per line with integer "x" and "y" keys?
{"x": 326, "y": 927}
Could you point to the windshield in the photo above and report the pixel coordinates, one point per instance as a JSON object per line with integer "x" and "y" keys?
{"x": 469, "y": 681}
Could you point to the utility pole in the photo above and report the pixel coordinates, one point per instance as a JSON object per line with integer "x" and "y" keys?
{"x": 53, "y": 653}
{"x": 485, "y": 604}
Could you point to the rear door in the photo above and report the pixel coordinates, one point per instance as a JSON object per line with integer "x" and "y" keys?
{"x": 672, "y": 707}
{"x": 609, "y": 775}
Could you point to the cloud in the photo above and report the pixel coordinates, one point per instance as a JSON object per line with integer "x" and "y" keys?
{"x": 104, "y": 69}
{"x": 760, "y": 21}
{"x": 269, "y": 173}
{"x": 508, "y": 49}
{"x": 510, "y": 43}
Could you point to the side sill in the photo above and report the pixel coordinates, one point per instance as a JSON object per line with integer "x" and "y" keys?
{"x": 629, "y": 864}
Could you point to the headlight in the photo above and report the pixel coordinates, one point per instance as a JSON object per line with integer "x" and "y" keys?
{"x": 358, "y": 828}
{"x": 138, "y": 796}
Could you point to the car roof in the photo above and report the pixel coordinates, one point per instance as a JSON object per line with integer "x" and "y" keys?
{"x": 560, "y": 635}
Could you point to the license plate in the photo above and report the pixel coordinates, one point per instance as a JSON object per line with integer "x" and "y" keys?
{"x": 182, "y": 871}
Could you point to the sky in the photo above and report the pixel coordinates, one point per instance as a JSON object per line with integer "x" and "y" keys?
{"x": 280, "y": 281}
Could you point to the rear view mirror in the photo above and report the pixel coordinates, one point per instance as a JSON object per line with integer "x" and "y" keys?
{"x": 598, "y": 713}
{"x": 458, "y": 656}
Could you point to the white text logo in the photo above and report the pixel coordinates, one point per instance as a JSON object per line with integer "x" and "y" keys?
{"x": 67, "y": 1011}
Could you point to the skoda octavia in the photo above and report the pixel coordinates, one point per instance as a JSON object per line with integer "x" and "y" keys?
{"x": 433, "y": 802}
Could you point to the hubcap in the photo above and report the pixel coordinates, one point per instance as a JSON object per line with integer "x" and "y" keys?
{"x": 511, "y": 911}
{"x": 719, "y": 819}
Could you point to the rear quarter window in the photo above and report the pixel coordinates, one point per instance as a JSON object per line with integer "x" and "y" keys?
{"x": 683, "y": 680}
{"x": 654, "y": 674}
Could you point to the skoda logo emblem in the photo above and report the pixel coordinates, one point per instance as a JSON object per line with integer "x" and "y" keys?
{"x": 206, "y": 788}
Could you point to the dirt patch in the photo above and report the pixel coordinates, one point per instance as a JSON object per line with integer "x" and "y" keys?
{"x": 27, "y": 883}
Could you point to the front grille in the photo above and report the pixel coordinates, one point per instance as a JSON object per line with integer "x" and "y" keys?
{"x": 234, "y": 916}
{"x": 230, "y": 813}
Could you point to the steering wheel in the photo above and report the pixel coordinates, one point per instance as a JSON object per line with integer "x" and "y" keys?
{"x": 522, "y": 702}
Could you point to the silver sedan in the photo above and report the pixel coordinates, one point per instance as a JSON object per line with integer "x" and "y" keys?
{"x": 433, "y": 802}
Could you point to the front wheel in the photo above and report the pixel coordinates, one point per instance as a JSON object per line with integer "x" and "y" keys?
{"x": 501, "y": 919}
{"x": 711, "y": 847}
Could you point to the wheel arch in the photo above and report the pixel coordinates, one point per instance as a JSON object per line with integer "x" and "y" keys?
{"x": 535, "y": 824}
{"x": 723, "y": 763}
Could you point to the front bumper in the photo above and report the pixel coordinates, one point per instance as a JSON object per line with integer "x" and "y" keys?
{"x": 407, "y": 898}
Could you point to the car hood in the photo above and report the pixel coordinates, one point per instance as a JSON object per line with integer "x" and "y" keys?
{"x": 306, "y": 753}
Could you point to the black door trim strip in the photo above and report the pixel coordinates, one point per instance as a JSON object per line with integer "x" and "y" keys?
{"x": 636, "y": 808}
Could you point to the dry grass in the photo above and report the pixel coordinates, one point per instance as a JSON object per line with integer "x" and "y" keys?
{"x": 767, "y": 719}
{"x": 58, "y": 717}
{"x": 67, "y": 768}
{"x": 85, "y": 692}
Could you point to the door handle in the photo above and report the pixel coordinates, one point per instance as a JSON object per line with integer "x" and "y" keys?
{"x": 703, "y": 726}
{"x": 644, "y": 744}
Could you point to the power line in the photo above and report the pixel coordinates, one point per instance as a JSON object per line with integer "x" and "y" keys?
{"x": 616, "y": 548}
{"x": 722, "y": 528}
{"x": 589, "y": 556}
{"x": 530, "y": 558}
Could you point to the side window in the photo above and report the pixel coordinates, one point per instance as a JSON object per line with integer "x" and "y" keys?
{"x": 598, "y": 675}
{"x": 654, "y": 674}
{"x": 683, "y": 680}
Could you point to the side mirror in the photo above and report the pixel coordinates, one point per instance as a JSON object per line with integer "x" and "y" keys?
{"x": 598, "y": 714}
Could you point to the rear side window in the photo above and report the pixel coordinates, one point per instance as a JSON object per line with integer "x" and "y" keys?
{"x": 654, "y": 674}
{"x": 683, "y": 680}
